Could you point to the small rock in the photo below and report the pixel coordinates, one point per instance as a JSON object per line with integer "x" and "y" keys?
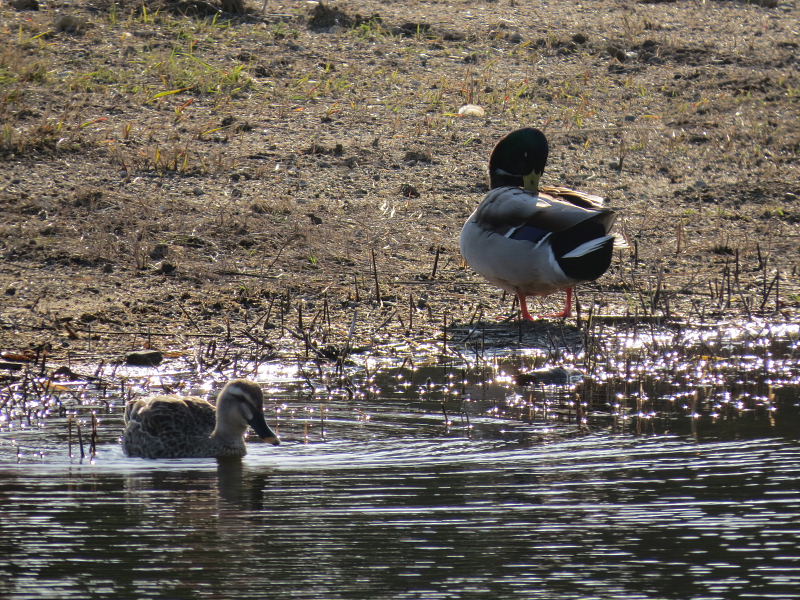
{"x": 165, "y": 268}
{"x": 25, "y": 4}
{"x": 324, "y": 17}
{"x": 159, "y": 251}
{"x": 144, "y": 358}
{"x": 64, "y": 372}
{"x": 418, "y": 156}
{"x": 70, "y": 24}
{"x": 617, "y": 52}
{"x": 409, "y": 191}
{"x": 471, "y": 110}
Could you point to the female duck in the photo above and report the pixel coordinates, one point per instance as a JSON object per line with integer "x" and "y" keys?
{"x": 190, "y": 427}
{"x": 533, "y": 241}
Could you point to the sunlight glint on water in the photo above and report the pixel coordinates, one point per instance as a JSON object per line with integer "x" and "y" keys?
{"x": 372, "y": 496}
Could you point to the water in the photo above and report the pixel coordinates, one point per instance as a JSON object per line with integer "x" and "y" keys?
{"x": 432, "y": 482}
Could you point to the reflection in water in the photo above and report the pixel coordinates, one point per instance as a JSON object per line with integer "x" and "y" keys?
{"x": 597, "y": 516}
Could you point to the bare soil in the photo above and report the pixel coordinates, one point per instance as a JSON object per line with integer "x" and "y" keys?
{"x": 298, "y": 176}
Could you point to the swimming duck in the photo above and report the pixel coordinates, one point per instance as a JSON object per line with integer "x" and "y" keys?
{"x": 190, "y": 427}
{"x": 531, "y": 240}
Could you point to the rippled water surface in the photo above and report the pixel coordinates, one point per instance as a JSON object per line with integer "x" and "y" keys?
{"x": 426, "y": 483}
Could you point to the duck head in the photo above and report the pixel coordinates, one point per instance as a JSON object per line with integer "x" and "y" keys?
{"x": 239, "y": 404}
{"x": 518, "y": 159}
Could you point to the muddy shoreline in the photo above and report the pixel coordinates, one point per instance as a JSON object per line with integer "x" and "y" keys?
{"x": 279, "y": 183}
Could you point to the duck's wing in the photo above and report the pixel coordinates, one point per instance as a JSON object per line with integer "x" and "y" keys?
{"x": 511, "y": 211}
{"x": 167, "y": 415}
{"x": 584, "y": 200}
{"x": 575, "y": 197}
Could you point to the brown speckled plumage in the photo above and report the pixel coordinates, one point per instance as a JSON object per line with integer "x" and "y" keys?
{"x": 191, "y": 427}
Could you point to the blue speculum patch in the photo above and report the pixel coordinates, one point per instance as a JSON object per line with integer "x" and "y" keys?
{"x": 528, "y": 233}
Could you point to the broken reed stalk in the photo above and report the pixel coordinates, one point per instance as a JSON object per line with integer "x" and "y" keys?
{"x": 444, "y": 334}
{"x": 69, "y": 436}
{"x": 189, "y": 317}
{"x": 375, "y": 275}
{"x": 343, "y": 355}
{"x": 265, "y": 326}
{"x": 43, "y": 355}
{"x": 478, "y": 310}
{"x": 80, "y": 440}
{"x": 767, "y": 292}
{"x": 300, "y": 316}
{"x": 410, "y": 312}
{"x": 465, "y": 414}
{"x": 435, "y": 262}
{"x": 93, "y": 438}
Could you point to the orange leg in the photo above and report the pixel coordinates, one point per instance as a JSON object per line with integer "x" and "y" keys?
{"x": 523, "y": 306}
{"x": 567, "y": 312}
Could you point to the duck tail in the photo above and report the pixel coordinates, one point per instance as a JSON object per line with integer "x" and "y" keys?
{"x": 589, "y": 247}
{"x": 589, "y": 260}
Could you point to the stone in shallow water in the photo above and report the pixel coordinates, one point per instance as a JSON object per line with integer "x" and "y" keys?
{"x": 550, "y": 376}
{"x": 144, "y": 358}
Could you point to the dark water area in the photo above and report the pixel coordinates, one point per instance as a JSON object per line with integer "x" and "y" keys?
{"x": 457, "y": 480}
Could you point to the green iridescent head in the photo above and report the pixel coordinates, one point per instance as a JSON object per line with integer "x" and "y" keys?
{"x": 519, "y": 159}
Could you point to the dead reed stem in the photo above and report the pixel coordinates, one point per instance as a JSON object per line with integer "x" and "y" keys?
{"x": 435, "y": 262}
{"x": 377, "y": 284}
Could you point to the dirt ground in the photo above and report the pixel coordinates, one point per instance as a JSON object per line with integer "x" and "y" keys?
{"x": 298, "y": 176}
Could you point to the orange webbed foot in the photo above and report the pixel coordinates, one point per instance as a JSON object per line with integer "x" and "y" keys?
{"x": 567, "y": 312}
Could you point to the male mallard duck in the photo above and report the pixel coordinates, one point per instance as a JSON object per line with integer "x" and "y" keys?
{"x": 533, "y": 241}
{"x": 190, "y": 427}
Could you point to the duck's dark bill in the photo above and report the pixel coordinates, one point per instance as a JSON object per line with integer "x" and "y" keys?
{"x": 263, "y": 430}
